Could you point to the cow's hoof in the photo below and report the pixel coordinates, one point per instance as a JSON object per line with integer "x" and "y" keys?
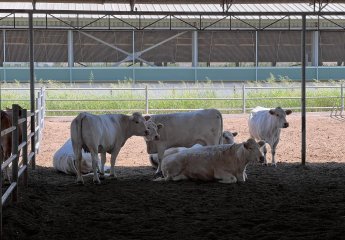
{"x": 159, "y": 179}
{"x": 158, "y": 175}
{"x": 101, "y": 176}
{"x": 113, "y": 177}
{"x": 96, "y": 182}
{"x": 80, "y": 182}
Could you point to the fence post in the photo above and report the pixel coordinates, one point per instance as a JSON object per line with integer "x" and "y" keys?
{"x": 243, "y": 98}
{"x": 342, "y": 97}
{"x": 25, "y": 148}
{"x": 15, "y": 136}
{"x": 146, "y": 100}
{"x": 38, "y": 107}
{"x": 1, "y": 160}
{"x": 43, "y": 105}
{"x": 41, "y": 114}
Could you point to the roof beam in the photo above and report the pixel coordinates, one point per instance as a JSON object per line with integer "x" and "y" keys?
{"x": 172, "y": 13}
{"x": 180, "y": 1}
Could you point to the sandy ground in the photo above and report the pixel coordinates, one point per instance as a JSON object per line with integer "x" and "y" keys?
{"x": 324, "y": 143}
{"x": 286, "y": 202}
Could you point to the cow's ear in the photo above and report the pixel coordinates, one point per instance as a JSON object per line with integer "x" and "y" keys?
{"x": 271, "y": 111}
{"x": 147, "y": 117}
{"x": 159, "y": 125}
{"x": 261, "y": 143}
{"x": 288, "y": 112}
{"x": 234, "y": 134}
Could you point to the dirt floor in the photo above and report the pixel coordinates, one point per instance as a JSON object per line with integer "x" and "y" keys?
{"x": 284, "y": 202}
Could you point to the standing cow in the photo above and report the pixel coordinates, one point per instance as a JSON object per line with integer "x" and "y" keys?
{"x": 228, "y": 138}
{"x": 64, "y": 159}
{"x": 104, "y": 134}
{"x": 203, "y": 127}
{"x": 226, "y": 163}
{"x": 266, "y": 124}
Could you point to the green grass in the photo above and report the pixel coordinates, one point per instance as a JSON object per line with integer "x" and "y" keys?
{"x": 127, "y": 101}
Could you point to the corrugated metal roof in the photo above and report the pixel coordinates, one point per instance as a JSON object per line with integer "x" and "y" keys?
{"x": 286, "y": 7}
{"x": 156, "y": 8}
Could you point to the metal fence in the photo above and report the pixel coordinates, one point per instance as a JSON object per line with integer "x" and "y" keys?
{"x": 21, "y": 158}
{"x": 235, "y": 99}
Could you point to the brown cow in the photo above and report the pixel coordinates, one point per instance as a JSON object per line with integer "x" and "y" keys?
{"x": 6, "y": 141}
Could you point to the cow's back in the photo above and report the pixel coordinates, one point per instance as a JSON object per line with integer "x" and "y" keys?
{"x": 186, "y": 129}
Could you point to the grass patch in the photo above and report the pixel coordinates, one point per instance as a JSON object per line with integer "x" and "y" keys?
{"x": 123, "y": 98}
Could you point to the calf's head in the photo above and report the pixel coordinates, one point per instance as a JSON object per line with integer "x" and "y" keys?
{"x": 153, "y": 130}
{"x": 280, "y": 116}
{"x": 138, "y": 124}
{"x": 253, "y": 150}
{"x": 228, "y": 137}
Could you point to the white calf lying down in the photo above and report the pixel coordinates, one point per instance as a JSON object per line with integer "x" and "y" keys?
{"x": 226, "y": 163}
{"x": 64, "y": 160}
{"x": 228, "y": 138}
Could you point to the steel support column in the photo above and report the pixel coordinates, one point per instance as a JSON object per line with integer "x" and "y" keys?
{"x": 303, "y": 94}
{"x": 315, "y": 52}
{"x": 4, "y": 47}
{"x": 32, "y": 88}
{"x": 195, "y": 49}
{"x": 70, "y": 49}
{"x": 256, "y": 55}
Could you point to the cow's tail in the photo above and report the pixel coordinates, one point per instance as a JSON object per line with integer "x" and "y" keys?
{"x": 77, "y": 143}
{"x": 221, "y": 128}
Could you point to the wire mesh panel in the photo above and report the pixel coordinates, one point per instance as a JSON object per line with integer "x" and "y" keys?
{"x": 232, "y": 46}
{"x": 332, "y": 47}
{"x": 50, "y": 46}
{"x": 282, "y": 46}
{"x": 17, "y": 46}
{"x": 164, "y": 47}
{"x": 91, "y": 47}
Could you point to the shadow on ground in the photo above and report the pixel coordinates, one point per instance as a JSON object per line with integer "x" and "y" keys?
{"x": 286, "y": 202}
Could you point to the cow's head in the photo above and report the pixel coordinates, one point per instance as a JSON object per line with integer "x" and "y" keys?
{"x": 138, "y": 124}
{"x": 253, "y": 150}
{"x": 153, "y": 130}
{"x": 280, "y": 115}
{"x": 228, "y": 137}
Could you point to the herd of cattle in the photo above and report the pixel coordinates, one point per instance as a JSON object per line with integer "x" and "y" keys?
{"x": 188, "y": 145}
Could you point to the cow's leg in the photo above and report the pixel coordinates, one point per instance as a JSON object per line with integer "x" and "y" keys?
{"x": 78, "y": 162}
{"x": 114, "y": 154}
{"x": 241, "y": 177}
{"x": 95, "y": 161}
{"x": 179, "y": 177}
{"x": 228, "y": 178}
{"x": 273, "y": 151}
{"x": 264, "y": 151}
{"x": 160, "y": 156}
{"x": 103, "y": 160}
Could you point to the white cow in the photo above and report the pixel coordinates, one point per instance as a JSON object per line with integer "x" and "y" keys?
{"x": 203, "y": 127}
{"x": 266, "y": 124}
{"x": 226, "y": 162}
{"x": 228, "y": 138}
{"x": 64, "y": 159}
{"x": 104, "y": 134}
